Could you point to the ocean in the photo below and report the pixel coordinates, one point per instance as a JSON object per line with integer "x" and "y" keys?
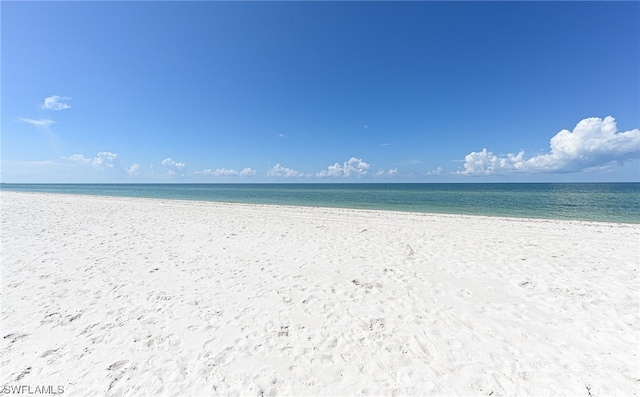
{"x": 604, "y": 202}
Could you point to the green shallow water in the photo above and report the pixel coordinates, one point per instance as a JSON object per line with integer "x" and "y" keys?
{"x": 604, "y": 202}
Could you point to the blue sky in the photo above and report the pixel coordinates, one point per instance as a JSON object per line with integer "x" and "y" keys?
{"x": 320, "y": 92}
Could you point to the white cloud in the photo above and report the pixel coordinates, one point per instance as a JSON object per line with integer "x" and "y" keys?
{"x": 352, "y": 167}
{"x": 104, "y": 166}
{"x": 43, "y": 123}
{"x": 486, "y": 162}
{"x": 390, "y": 172}
{"x": 105, "y": 159}
{"x": 280, "y": 171}
{"x": 594, "y": 142}
{"x": 79, "y": 158}
{"x": 437, "y": 171}
{"x": 226, "y": 172}
{"x": 102, "y": 160}
{"x": 332, "y": 170}
{"x": 173, "y": 166}
{"x": 247, "y": 172}
{"x": 134, "y": 170}
{"x": 207, "y": 172}
{"x": 56, "y": 102}
{"x": 43, "y": 127}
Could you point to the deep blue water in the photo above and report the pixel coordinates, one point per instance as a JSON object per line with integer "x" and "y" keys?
{"x": 607, "y": 202}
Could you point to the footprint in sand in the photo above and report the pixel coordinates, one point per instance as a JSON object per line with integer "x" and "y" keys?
{"x": 23, "y": 373}
{"x": 117, "y": 365}
{"x": 376, "y": 324}
{"x": 284, "y": 330}
{"x": 14, "y": 337}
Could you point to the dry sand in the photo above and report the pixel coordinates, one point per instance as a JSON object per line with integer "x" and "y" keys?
{"x": 122, "y": 296}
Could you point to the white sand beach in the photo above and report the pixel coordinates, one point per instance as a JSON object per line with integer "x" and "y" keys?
{"x": 122, "y": 296}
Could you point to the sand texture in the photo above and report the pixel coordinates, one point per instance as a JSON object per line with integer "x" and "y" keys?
{"x": 121, "y": 296}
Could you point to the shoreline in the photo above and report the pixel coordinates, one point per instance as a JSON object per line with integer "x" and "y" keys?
{"x": 118, "y": 295}
{"x": 328, "y": 208}
{"x": 611, "y": 203}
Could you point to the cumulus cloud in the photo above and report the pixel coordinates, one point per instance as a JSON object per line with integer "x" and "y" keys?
{"x": 352, "y": 167}
{"x": 247, "y": 172}
{"x": 104, "y": 159}
{"x": 80, "y": 159}
{"x": 437, "y": 171}
{"x": 134, "y": 170}
{"x": 56, "y": 102}
{"x": 207, "y": 172}
{"x": 173, "y": 166}
{"x": 390, "y": 172}
{"x": 226, "y": 172}
{"x": 103, "y": 165}
{"x": 280, "y": 171}
{"x": 101, "y": 160}
{"x": 594, "y": 142}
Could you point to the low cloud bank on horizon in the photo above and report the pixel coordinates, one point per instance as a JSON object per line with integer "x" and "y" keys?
{"x": 594, "y": 143}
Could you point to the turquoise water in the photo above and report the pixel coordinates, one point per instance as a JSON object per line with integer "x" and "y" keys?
{"x": 606, "y": 202}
